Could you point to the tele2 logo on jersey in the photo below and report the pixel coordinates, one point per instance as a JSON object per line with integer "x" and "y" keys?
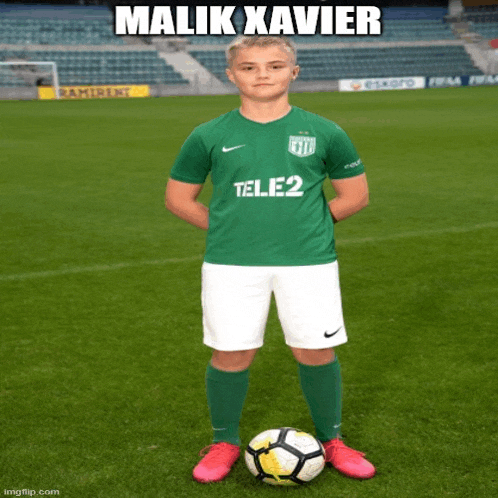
{"x": 300, "y": 146}
{"x": 252, "y": 188}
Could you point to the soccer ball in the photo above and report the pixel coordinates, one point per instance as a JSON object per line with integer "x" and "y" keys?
{"x": 285, "y": 456}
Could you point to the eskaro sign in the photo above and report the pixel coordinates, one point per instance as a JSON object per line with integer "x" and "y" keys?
{"x": 368, "y": 84}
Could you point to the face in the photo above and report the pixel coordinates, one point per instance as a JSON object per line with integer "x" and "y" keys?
{"x": 262, "y": 73}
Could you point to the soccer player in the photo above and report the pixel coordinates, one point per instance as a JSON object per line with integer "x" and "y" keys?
{"x": 269, "y": 230}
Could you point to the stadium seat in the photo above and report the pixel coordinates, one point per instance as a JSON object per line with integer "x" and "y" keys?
{"x": 344, "y": 63}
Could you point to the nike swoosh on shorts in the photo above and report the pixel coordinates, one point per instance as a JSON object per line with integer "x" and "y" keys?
{"x": 333, "y": 333}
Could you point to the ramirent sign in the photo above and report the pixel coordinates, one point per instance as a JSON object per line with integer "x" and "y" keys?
{"x": 94, "y": 91}
{"x": 364, "y": 85}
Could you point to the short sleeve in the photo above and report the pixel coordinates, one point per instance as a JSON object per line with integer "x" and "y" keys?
{"x": 342, "y": 160}
{"x": 192, "y": 164}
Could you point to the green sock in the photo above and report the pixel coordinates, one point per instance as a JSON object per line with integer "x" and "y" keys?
{"x": 226, "y": 393}
{"x": 322, "y": 389}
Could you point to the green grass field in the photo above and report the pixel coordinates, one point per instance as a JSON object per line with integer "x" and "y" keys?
{"x": 102, "y": 363}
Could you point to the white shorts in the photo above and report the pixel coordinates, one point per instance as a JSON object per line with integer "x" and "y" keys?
{"x": 236, "y": 301}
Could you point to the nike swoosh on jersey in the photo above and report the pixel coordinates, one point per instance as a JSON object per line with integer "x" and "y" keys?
{"x": 228, "y": 149}
{"x": 333, "y": 333}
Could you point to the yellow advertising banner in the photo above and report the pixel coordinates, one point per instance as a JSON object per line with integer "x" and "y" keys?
{"x": 94, "y": 92}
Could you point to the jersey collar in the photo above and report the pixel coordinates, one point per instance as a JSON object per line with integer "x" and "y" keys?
{"x": 267, "y": 122}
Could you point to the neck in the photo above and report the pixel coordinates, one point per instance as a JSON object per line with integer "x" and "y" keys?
{"x": 264, "y": 112}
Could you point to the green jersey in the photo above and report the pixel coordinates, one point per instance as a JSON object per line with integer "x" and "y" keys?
{"x": 268, "y": 207}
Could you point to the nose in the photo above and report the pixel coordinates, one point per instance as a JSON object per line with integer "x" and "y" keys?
{"x": 263, "y": 72}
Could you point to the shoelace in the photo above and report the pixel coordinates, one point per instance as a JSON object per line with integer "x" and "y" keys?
{"x": 217, "y": 452}
{"x": 345, "y": 450}
{"x": 205, "y": 450}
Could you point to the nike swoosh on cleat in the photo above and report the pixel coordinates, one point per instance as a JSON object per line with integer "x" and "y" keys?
{"x": 333, "y": 333}
{"x": 228, "y": 149}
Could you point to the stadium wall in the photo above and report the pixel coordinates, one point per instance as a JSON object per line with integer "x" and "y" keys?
{"x": 478, "y": 3}
{"x": 51, "y": 11}
{"x": 360, "y": 85}
{"x": 414, "y": 13}
{"x": 31, "y": 93}
{"x": 416, "y": 82}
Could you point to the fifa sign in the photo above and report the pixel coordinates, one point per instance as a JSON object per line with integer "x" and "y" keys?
{"x": 302, "y": 146}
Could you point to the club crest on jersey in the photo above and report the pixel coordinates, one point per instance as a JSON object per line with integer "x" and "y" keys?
{"x": 302, "y": 146}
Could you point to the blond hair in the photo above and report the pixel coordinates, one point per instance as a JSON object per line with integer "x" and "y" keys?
{"x": 259, "y": 41}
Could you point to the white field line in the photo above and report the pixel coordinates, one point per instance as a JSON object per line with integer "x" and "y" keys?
{"x": 161, "y": 262}
{"x": 421, "y": 233}
{"x": 96, "y": 268}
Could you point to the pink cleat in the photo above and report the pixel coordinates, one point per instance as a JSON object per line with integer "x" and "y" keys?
{"x": 217, "y": 463}
{"x": 348, "y": 461}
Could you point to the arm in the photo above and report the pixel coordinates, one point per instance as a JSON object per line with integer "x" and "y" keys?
{"x": 351, "y": 197}
{"x": 181, "y": 201}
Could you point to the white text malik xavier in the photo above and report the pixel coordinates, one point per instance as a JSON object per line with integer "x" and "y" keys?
{"x": 217, "y": 20}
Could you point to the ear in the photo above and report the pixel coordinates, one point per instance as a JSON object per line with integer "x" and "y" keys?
{"x": 230, "y": 75}
{"x": 295, "y": 72}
